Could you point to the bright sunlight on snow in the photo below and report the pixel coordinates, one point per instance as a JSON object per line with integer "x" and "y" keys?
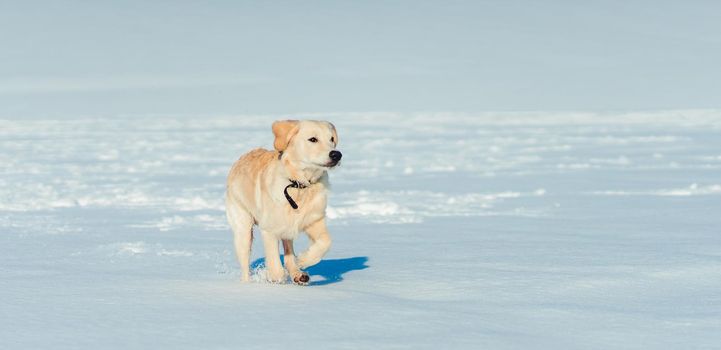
{"x": 530, "y": 230}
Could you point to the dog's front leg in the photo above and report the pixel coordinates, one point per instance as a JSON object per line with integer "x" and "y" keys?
{"x": 275, "y": 270}
{"x": 318, "y": 234}
{"x": 298, "y": 276}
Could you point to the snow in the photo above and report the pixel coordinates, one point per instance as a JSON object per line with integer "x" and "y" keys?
{"x": 494, "y": 230}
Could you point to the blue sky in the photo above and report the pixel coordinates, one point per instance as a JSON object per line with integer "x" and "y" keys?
{"x": 83, "y": 58}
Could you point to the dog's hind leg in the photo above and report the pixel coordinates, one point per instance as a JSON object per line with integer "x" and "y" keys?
{"x": 298, "y": 276}
{"x": 318, "y": 234}
{"x": 242, "y": 224}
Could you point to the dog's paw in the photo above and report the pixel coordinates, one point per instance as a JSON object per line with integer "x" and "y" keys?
{"x": 277, "y": 276}
{"x": 305, "y": 261}
{"x": 301, "y": 278}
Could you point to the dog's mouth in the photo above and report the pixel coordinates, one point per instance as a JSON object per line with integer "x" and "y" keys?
{"x": 331, "y": 164}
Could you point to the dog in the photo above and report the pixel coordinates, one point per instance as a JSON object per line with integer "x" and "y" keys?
{"x": 284, "y": 192}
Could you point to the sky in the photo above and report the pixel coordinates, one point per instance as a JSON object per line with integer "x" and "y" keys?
{"x": 114, "y": 58}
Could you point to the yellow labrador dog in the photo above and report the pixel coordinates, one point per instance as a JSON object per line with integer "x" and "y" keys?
{"x": 284, "y": 192}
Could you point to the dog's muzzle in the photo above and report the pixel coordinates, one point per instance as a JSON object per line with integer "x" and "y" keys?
{"x": 335, "y": 157}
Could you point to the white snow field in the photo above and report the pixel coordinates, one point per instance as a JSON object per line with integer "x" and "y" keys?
{"x": 486, "y": 231}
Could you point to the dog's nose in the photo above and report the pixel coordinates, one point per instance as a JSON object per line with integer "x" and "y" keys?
{"x": 335, "y": 155}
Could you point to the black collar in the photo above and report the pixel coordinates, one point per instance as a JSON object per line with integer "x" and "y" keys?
{"x": 294, "y": 184}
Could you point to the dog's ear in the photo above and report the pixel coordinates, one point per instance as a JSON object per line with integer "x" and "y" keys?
{"x": 284, "y": 130}
{"x": 335, "y": 133}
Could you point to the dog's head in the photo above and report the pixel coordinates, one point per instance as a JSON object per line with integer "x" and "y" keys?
{"x": 310, "y": 143}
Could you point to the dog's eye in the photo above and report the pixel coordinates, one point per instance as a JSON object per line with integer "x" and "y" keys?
{"x": 332, "y": 139}
{"x": 313, "y": 139}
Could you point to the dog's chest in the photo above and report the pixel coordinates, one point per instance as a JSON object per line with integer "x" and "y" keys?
{"x": 286, "y": 222}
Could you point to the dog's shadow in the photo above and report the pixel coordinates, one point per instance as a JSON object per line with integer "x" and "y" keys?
{"x": 332, "y": 270}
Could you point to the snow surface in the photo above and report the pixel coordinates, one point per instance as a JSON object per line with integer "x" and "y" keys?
{"x": 497, "y": 230}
